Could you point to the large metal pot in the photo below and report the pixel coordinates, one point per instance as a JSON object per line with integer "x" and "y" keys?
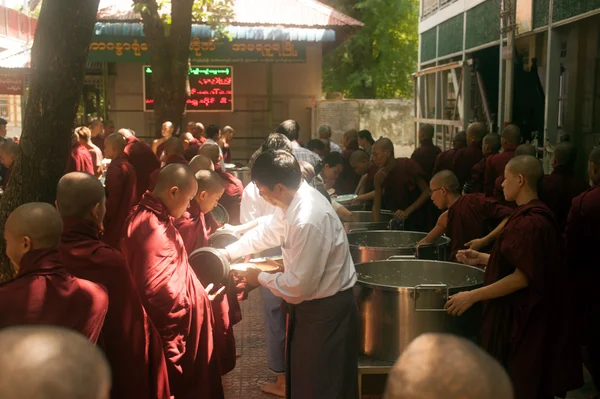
{"x": 363, "y": 220}
{"x": 241, "y": 173}
{"x": 366, "y": 246}
{"x": 399, "y": 300}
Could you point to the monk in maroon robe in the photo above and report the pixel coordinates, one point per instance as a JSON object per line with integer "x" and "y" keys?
{"x": 467, "y": 219}
{"x": 158, "y": 145}
{"x": 427, "y": 152}
{"x": 120, "y": 188}
{"x": 466, "y": 158}
{"x": 172, "y": 153}
{"x": 495, "y": 164}
{"x": 171, "y": 293}
{"x": 362, "y": 165}
{"x": 558, "y": 189}
{"x": 445, "y": 159}
{"x": 226, "y": 137}
{"x": 142, "y": 159}
{"x": 400, "y": 186}
{"x": 96, "y": 127}
{"x": 43, "y": 292}
{"x": 191, "y": 145}
{"x": 348, "y": 180}
{"x": 8, "y": 155}
{"x": 491, "y": 146}
{"x": 131, "y": 343}
{"x": 581, "y": 236}
{"x": 528, "y": 319}
{"x": 85, "y": 139}
{"x": 80, "y": 159}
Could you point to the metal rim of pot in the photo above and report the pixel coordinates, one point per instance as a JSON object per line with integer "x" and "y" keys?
{"x": 209, "y": 259}
{"x": 445, "y": 239}
{"x": 220, "y": 214}
{"x": 227, "y": 235}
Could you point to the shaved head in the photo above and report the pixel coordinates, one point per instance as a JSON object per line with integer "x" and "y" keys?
{"x": 446, "y": 179}
{"x": 460, "y": 139}
{"x": 426, "y": 132}
{"x": 126, "y": 133}
{"x": 174, "y": 175}
{"x": 39, "y": 221}
{"x": 443, "y": 366}
{"x": 176, "y": 186}
{"x": 187, "y": 136}
{"x": 476, "y": 131}
{"x": 359, "y": 156}
{"x": 351, "y": 135}
{"x": 527, "y": 166}
{"x": 116, "y": 140}
{"x": 511, "y": 135}
{"x": 201, "y": 162}
{"x": 565, "y": 154}
{"x": 595, "y": 156}
{"x": 492, "y": 141}
{"x": 44, "y": 362}
{"x": 385, "y": 144}
{"x": 209, "y": 181}
{"x": 173, "y": 146}
{"x": 526, "y": 149}
{"x": 77, "y": 193}
{"x": 210, "y": 150}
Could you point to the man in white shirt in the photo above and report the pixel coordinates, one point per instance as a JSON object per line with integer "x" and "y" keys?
{"x": 322, "y": 344}
{"x": 291, "y": 130}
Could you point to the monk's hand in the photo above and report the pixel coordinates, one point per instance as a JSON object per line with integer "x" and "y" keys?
{"x": 476, "y": 244}
{"x": 212, "y": 293}
{"x": 460, "y": 302}
{"x": 469, "y": 257}
{"x": 400, "y": 214}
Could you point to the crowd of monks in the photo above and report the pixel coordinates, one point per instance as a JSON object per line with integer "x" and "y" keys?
{"x": 110, "y": 259}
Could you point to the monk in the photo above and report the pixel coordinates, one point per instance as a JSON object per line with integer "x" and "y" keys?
{"x": 80, "y": 159}
{"x": 466, "y": 158}
{"x": 201, "y": 162}
{"x": 96, "y": 129}
{"x": 491, "y": 146}
{"x": 445, "y": 159}
{"x": 466, "y": 220}
{"x": 45, "y": 362}
{"x": 495, "y": 164}
{"x": 232, "y": 198}
{"x": 85, "y": 139}
{"x": 172, "y": 295}
{"x": 172, "y": 153}
{"x": 362, "y": 165}
{"x": 131, "y": 343}
{"x": 190, "y": 146}
{"x": 43, "y": 292}
{"x": 526, "y": 149}
{"x": 199, "y": 134}
{"x": 142, "y": 159}
{"x": 166, "y": 133}
{"x": 224, "y": 143}
{"x": 559, "y": 188}
{"x": 443, "y": 366}
{"x": 121, "y": 190}
{"x": 528, "y": 320}
{"x": 581, "y": 235}
{"x": 427, "y": 152}
{"x": 8, "y": 154}
{"x": 400, "y": 186}
{"x": 348, "y": 180}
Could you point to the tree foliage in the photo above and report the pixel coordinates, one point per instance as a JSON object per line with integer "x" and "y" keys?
{"x": 378, "y": 61}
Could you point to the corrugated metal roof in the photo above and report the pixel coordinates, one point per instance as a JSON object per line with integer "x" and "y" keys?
{"x": 306, "y": 13}
{"x": 136, "y": 29}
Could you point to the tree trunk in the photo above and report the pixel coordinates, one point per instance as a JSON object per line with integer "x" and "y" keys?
{"x": 58, "y": 61}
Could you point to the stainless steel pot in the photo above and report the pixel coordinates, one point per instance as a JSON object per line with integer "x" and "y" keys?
{"x": 220, "y": 214}
{"x": 241, "y": 173}
{"x": 366, "y": 246}
{"x": 363, "y": 220}
{"x": 222, "y": 238}
{"x": 399, "y": 300}
{"x": 209, "y": 265}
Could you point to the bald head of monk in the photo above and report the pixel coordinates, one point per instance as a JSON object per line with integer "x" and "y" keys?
{"x": 522, "y": 176}
{"x": 176, "y": 186}
{"x": 81, "y": 196}
{"x": 186, "y": 139}
{"x": 526, "y": 149}
{"x": 126, "y": 133}
{"x": 383, "y": 152}
{"x": 350, "y": 136}
{"x": 360, "y": 162}
{"x": 211, "y": 150}
{"x": 459, "y": 140}
{"x": 198, "y": 131}
{"x": 510, "y": 137}
{"x": 114, "y": 146}
{"x": 426, "y": 132}
{"x": 8, "y": 153}
{"x": 173, "y": 146}
{"x": 36, "y": 225}
{"x": 167, "y": 129}
{"x": 443, "y": 366}
{"x": 491, "y": 144}
{"x": 564, "y": 155}
{"x": 594, "y": 165}
{"x": 476, "y": 132}
{"x": 201, "y": 162}
{"x": 45, "y": 362}
{"x": 445, "y": 189}
{"x": 210, "y": 190}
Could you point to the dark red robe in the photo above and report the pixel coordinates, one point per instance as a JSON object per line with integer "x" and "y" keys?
{"x": 174, "y": 300}
{"x": 426, "y": 155}
{"x": 80, "y": 160}
{"x": 132, "y": 345}
{"x": 99, "y": 142}
{"x": 121, "y": 194}
{"x": 444, "y": 160}
{"x": 532, "y": 331}
{"x": 195, "y": 227}
{"x": 192, "y": 150}
{"x": 348, "y": 180}
{"x": 494, "y": 168}
{"x": 557, "y": 191}
{"x": 44, "y": 293}
{"x": 226, "y": 153}
{"x": 469, "y": 218}
{"x": 464, "y": 161}
{"x": 144, "y": 162}
{"x": 232, "y": 197}
{"x": 177, "y": 158}
{"x": 478, "y": 176}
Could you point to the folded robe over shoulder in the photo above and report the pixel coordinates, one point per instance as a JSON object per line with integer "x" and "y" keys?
{"x": 131, "y": 343}
{"x": 43, "y": 292}
{"x": 174, "y": 299}
{"x": 232, "y": 197}
{"x": 121, "y": 188}
{"x": 464, "y": 160}
{"x": 144, "y": 162}
{"x": 80, "y": 160}
{"x": 426, "y": 156}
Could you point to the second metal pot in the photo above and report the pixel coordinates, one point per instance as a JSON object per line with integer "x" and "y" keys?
{"x": 366, "y": 246}
{"x": 363, "y": 220}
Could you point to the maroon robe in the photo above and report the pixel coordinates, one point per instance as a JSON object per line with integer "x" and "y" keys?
{"x": 444, "y": 160}
{"x": 469, "y": 217}
{"x": 464, "y": 161}
{"x": 132, "y": 345}
{"x": 99, "y": 142}
{"x": 478, "y": 176}
{"x": 226, "y": 153}
{"x": 426, "y": 156}
{"x": 174, "y": 300}
{"x": 557, "y": 191}
{"x": 177, "y": 158}
{"x": 532, "y": 331}
{"x": 160, "y": 149}
{"x": 494, "y": 168}
{"x": 195, "y": 227}
{"x": 80, "y": 160}
{"x": 232, "y": 196}
{"x": 121, "y": 193}
{"x": 44, "y": 293}
{"x": 192, "y": 150}
{"x": 348, "y": 180}
{"x": 144, "y": 162}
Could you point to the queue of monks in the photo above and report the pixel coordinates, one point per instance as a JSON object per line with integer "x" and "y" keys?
{"x": 110, "y": 260}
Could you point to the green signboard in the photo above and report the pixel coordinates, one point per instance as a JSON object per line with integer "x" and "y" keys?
{"x": 131, "y": 49}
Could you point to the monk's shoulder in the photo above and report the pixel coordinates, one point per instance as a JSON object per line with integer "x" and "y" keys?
{"x": 588, "y": 201}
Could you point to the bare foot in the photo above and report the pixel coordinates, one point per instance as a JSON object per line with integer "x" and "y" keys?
{"x": 274, "y": 389}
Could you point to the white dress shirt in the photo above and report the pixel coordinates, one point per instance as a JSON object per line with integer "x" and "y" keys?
{"x": 254, "y": 206}
{"x": 333, "y": 147}
{"x": 314, "y": 245}
{"x": 302, "y": 154}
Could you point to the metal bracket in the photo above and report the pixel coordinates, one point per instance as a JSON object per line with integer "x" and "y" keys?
{"x": 415, "y": 295}
{"x": 402, "y": 257}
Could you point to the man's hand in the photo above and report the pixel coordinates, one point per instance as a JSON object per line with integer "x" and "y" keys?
{"x": 476, "y": 244}
{"x": 252, "y": 276}
{"x": 460, "y": 303}
{"x": 469, "y": 257}
{"x": 212, "y": 295}
{"x": 400, "y": 214}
